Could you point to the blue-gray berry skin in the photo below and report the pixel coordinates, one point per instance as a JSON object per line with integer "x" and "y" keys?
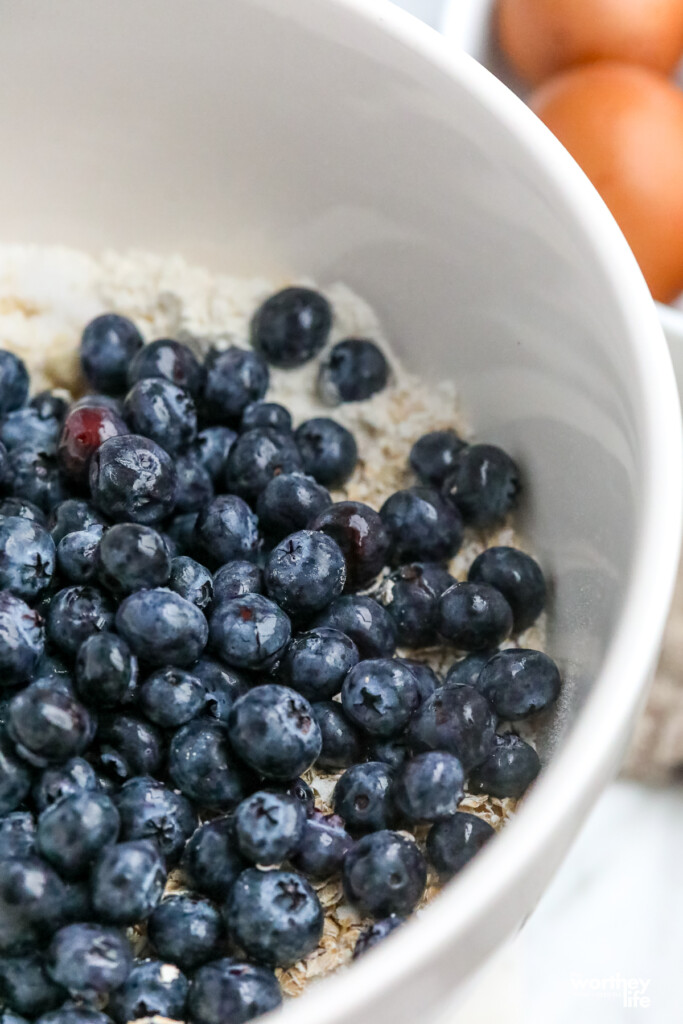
{"x": 363, "y": 798}
{"x": 89, "y": 960}
{"x": 162, "y": 411}
{"x": 152, "y": 988}
{"x": 235, "y": 579}
{"x": 375, "y": 933}
{"x": 203, "y": 766}
{"x": 432, "y": 456}
{"x": 268, "y": 827}
{"x": 49, "y": 404}
{"x": 323, "y": 846}
{"x": 298, "y": 789}
{"x": 36, "y": 477}
{"x": 365, "y": 621}
{"x": 72, "y": 1013}
{"x": 128, "y": 880}
{"x": 291, "y": 326}
{"x": 379, "y": 695}
{"x": 342, "y": 744}
{"x": 422, "y": 526}
{"x": 256, "y": 457}
{"x": 518, "y": 682}
{"x": 212, "y": 861}
{"x": 21, "y": 640}
{"x": 266, "y": 414}
{"x": 354, "y": 370}
{"x": 195, "y": 486}
{"x": 226, "y": 530}
{"x": 169, "y": 360}
{"x": 74, "y": 776}
{"x": 483, "y": 484}
{"x": 73, "y": 831}
{"x": 393, "y": 751}
{"x": 132, "y": 557}
{"x": 8, "y": 1016}
{"x": 329, "y": 452}
{"x": 29, "y": 426}
{"x": 234, "y": 379}
{"x": 132, "y": 479}
{"x": 316, "y": 663}
{"x": 467, "y": 671}
{"x": 222, "y": 687}
{"x": 384, "y": 873}
{"x": 162, "y": 628}
{"x": 14, "y": 382}
{"x": 452, "y": 844}
{"x": 249, "y": 632}
{"x": 108, "y": 344}
{"x": 17, "y": 834}
{"x": 128, "y": 745}
{"x": 411, "y": 596}
{"x": 227, "y": 990}
{"x": 71, "y": 515}
{"x": 361, "y": 535}
{"x": 274, "y": 731}
{"x": 473, "y": 616}
{"x": 192, "y": 581}
{"x": 48, "y": 725}
{"x": 150, "y": 810}
{"x": 275, "y": 916}
{"x": 106, "y": 671}
{"x": 15, "y": 776}
{"x": 517, "y": 576}
{"x": 32, "y": 904}
{"x": 289, "y": 502}
{"x": 187, "y": 930}
{"x": 26, "y": 987}
{"x": 212, "y": 448}
{"x": 171, "y": 697}
{"x": 509, "y": 769}
{"x": 77, "y": 555}
{"x": 76, "y": 613}
{"x": 429, "y": 787}
{"x": 426, "y": 678}
{"x": 457, "y": 720}
{"x": 21, "y": 507}
{"x": 180, "y": 533}
{"x": 305, "y": 573}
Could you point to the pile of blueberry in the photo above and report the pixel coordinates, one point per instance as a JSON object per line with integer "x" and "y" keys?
{"x": 188, "y": 623}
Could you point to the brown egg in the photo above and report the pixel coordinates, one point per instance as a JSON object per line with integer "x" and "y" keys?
{"x": 624, "y": 126}
{"x": 542, "y": 37}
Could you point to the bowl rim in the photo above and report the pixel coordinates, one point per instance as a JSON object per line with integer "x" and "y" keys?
{"x": 572, "y": 781}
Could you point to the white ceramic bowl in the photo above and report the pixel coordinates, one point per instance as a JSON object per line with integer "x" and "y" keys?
{"x": 344, "y": 140}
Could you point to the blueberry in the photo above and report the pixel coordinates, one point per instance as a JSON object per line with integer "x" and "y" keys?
{"x": 172, "y": 696}
{"x": 17, "y": 835}
{"x": 32, "y": 904}
{"x": 23, "y": 508}
{"x": 273, "y": 730}
{"x": 362, "y": 537}
{"x": 299, "y": 790}
{"x": 36, "y": 477}
{"x": 316, "y": 663}
{"x": 72, "y": 831}
{"x": 222, "y": 687}
{"x": 27, "y": 557}
{"x": 226, "y": 990}
{"x": 15, "y": 777}
{"x": 249, "y": 632}
{"x": 192, "y": 581}
{"x": 483, "y": 483}
{"x": 152, "y": 988}
{"x": 291, "y": 326}
{"x": 127, "y": 882}
{"x": 365, "y": 621}
{"x": 132, "y": 556}
{"x": 187, "y": 930}
{"x": 393, "y": 752}
{"x": 106, "y": 671}
{"x": 74, "y": 776}
{"x": 75, "y": 614}
{"x": 21, "y": 640}
{"x": 163, "y": 412}
{"x": 305, "y": 573}
{"x": 26, "y": 987}
{"x": 425, "y": 677}
{"x": 108, "y": 344}
{"x": 72, "y": 515}
{"x": 467, "y": 671}
{"x": 162, "y": 628}
{"x": 212, "y": 861}
{"x": 49, "y": 405}
{"x": 28, "y": 426}
{"x": 89, "y": 960}
{"x": 380, "y": 695}
{"x": 451, "y": 844}
{"x": 411, "y": 596}
{"x": 355, "y": 369}
{"x": 268, "y": 827}
{"x": 328, "y": 451}
{"x": 212, "y": 448}
{"x": 508, "y": 771}
{"x": 133, "y": 479}
{"x": 8, "y": 1016}
{"x": 84, "y": 429}
{"x": 323, "y": 846}
{"x": 195, "y": 486}
{"x": 235, "y": 579}
{"x": 149, "y": 810}
{"x": 128, "y": 746}
{"x": 226, "y": 530}
{"x": 74, "y": 1013}
{"x": 289, "y": 502}
{"x": 474, "y": 616}
{"x": 180, "y": 532}
{"x": 48, "y": 724}
{"x": 77, "y": 555}
{"x": 256, "y": 457}
{"x": 275, "y": 916}
{"x": 234, "y": 379}
{"x": 519, "y": 579}
{"x": 203, "y": 766}
{"x": 384, "y": 873}
{"x": 266, "y": 414}
{"x": 421, "y": 525}
{"x": 14, "y": 382}
{"x": 432, "y": 457}
{"x": 169, "y": 360}
{"x": 459, "y": 721}
{"x": 97, "y": 400}
{"x": 341, "y": 742}
{"x": 51, "y": 664}
{"x": 429, "y": 787}
{"x": 375, "y": 933}
{"x": 518, "y": 682}
{"x": 363, "y": 797}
